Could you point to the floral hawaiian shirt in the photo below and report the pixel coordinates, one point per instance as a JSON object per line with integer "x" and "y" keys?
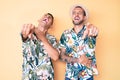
{"x": 76, "y": 46}
{"x": 36, "y": 61}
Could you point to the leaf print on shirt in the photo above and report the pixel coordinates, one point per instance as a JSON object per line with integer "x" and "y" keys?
{"x": 76, "y": 46}
{"x": 63, "y": 39}
{"x": 35, "y": 58}
{"x": 73, "y": 36}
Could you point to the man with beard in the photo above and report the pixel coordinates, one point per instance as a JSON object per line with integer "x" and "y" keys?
{"x": 77, "y": 47}
{"x": 39, "y": 47}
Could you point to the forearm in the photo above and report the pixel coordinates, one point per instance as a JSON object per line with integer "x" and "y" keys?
{"x": 67, "y": 58}
{"x": 52, "y": 52}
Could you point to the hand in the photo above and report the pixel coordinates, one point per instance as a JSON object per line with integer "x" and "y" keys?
{"x": 91, "y": 30}
{"x": 85, "y": 60}
{"x": 27, "y": 30}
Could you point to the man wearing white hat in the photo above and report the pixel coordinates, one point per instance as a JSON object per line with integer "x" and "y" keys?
{"x": 77, "y": 46}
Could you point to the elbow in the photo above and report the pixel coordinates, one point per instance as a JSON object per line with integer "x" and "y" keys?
{"x": 56, "y": 58}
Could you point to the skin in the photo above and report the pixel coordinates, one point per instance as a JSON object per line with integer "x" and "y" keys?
{"x": 44, "y": 24}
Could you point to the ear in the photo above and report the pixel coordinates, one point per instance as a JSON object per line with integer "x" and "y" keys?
{"x": 85, "y": 18}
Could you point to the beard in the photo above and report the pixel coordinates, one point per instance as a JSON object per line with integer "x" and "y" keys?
{"x": 78, "y": 23}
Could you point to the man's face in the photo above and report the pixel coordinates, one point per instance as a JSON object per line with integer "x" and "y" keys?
{"x": 78, "y": 16}
{"x": 46, "y": 21}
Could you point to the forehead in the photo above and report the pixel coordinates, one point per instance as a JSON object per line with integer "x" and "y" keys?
{"x": 78, "y": 9}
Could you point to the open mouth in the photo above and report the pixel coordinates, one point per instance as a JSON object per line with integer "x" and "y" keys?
{"x": 45, "y": 20}
{"x": 77, "y": 18}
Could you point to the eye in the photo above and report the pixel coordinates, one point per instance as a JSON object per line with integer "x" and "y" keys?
{"x": 73, "y": 12}
{"x": 49, "y": 16}
{"x": 80, "y": 13}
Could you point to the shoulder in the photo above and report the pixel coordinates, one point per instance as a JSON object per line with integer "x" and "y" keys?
{"x": 67, "y": 31}
{"x": 50, "y": 37}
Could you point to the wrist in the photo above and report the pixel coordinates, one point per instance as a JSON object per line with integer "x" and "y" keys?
{"x": 44, "y": 40}
{"x": 24, "y": 38}
{"x": 74, "y": 60}
{"x": 79, "y": 60}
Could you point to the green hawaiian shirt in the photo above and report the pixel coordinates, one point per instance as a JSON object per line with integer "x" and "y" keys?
{"x": 76, "y": 46}
{"x": 37, "y": 64}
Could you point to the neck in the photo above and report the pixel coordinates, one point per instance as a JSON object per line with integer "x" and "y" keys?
{"x": 41, "y": 29}
{"x": 77, "y": 28}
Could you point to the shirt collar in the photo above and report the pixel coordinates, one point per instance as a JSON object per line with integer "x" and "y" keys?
{"x": 80, "y": 33}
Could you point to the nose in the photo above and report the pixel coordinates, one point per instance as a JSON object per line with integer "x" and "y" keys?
{"x": 77, "y": 14}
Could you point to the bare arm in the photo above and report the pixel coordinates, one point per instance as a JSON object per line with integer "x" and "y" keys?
{"x": 67, "y": 58}
{"x": 52, "y": 52}
{"x": 83, "y": 59}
